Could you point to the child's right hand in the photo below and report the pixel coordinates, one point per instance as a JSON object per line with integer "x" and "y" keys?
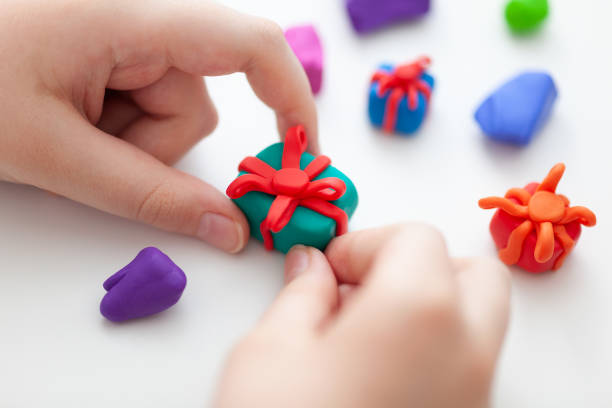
{"x": 385, "y": 319}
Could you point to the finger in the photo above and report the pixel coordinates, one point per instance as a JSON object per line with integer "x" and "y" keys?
{"x": 310, "y": 295}
{"x": 85, "y": 164}
{"x": 404, "y": 271}
{"x": 352, "y": 255}
{"x": 484, "y": 289}
{"x": 176, "y": 112}
{"x": 396, "y": 251}
{"x": 179, "y": 113}
{"x": 204, "y": 38}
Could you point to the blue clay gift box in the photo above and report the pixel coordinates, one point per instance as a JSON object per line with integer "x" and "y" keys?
{"x": 391, "y": 109}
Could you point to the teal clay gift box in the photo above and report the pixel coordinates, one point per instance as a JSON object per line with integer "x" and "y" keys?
{"x": 291, "y": 197}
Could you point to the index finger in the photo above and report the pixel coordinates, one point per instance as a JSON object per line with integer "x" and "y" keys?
{"x": 205, "y": 38}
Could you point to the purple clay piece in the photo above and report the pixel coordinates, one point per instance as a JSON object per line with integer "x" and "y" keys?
{"x": 150, "y": 284}
{"x": 306, "y": 45}
{"x": 369, "y": 15}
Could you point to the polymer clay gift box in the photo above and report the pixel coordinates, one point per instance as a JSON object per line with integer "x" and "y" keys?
{"x": 535, "y": 227}
{"x": 399, "y": 96}
{"x": 291, "y": 197}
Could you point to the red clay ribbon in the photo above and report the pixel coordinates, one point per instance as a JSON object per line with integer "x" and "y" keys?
{"x": 292, "y": 186}
{"x": 404, "y": 80}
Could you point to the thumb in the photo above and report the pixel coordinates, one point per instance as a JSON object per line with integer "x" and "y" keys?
{"x": 179, "y": 202}
{"x": 310, "y": 295}
{"x": 87, "y": 165}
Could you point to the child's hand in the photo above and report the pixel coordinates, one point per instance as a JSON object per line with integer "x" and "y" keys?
{"x": 61, "y": 132}
{"x": 407, "y": 327}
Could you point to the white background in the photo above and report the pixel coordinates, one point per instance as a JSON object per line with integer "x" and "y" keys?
{"x": 56, "y": 350}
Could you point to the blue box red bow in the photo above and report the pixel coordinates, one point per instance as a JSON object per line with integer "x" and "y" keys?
{"x": 399, "y": 96}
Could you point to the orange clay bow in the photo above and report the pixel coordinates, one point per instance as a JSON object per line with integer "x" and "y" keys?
{"x": 291, "y": 186}
{"x": 403, "y": 80}
{"x": 545, "y": 211}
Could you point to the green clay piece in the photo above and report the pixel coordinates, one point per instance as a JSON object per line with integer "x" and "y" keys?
{"x": 306, "y": 227}
{"x": 526, "y": 15}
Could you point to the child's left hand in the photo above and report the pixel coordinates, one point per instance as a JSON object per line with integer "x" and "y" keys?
{"x": 99, "y": 98}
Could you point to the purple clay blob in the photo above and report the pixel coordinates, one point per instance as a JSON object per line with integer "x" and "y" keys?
{"x": 150, "y": 284}
{"x": 369, "y": 15}
{"x": 306, "y": 45}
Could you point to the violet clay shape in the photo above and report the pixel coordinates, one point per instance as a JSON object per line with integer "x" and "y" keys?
{"x": 369, "y": 15}
{"x": 150, "y": 284}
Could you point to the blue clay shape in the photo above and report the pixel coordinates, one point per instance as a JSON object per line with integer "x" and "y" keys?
{"x": 408, "y": 121}
{"x": 516, "y": 111}
{"x": 150, "y": 284}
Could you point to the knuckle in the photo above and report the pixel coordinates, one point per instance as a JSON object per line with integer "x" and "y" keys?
{"x": 207, "y": 121}
{"x": 203, "y": 115}
{"x": 438, "y": 310}
{"x": 434, "y": 311}
{"x": 439, "y": 307}
{"x": 421, "y": 233}
{"x": 270, "y": 32}
{"x": 430, "y": 236}
{"x": 158, "y": 205}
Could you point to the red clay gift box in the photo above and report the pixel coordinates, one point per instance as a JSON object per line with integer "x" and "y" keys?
{"x": 534, "y": 227}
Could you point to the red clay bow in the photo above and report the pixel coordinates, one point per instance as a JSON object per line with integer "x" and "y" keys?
{"x": 291, "y": 186}
{"x": 403, "y": 80}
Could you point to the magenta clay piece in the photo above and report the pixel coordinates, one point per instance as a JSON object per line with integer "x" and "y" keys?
{"x": 305, "y": 43}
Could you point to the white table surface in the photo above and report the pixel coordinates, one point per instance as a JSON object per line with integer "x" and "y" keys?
{"x": 56, "y": 350}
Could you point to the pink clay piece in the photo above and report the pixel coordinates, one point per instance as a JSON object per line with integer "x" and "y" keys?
{"x": 306, "y": 45}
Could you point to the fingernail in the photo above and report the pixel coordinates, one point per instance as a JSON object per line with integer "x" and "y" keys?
{"x": 221, "y": 232}
{"x": 297, "y": 261}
